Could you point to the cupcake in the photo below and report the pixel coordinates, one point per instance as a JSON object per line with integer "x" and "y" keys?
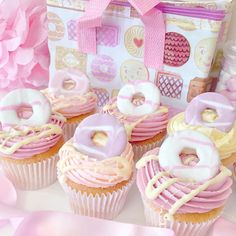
{"x": 183, "y": 184}
{"x": 30, "y": 138}
{"x": 213, "y": 115}
{"x": 68, "y": 91}
{"x": 96, "y": 167}
{"x": 137, "y": 106}
{"x": 230, "y": 90}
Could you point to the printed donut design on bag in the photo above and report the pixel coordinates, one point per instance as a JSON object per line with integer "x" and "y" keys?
{"x": 56, "y": 28}
{"x": 103, "y": 68}
{"x": 134, "y": 41}
{"x": 177, "y": 49}
{"x": 132, "y": 70}
{"x": 170, "y": 84}
{"x": 70, "y": 58}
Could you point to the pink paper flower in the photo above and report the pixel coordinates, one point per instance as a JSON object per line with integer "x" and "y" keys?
{"x": 24, "y": 56}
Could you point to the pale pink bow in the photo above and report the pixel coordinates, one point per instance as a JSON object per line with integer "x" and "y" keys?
{"x": 151, "y": 17}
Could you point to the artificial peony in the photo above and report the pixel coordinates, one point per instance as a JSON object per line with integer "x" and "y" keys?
{"x": 24, "y": 56}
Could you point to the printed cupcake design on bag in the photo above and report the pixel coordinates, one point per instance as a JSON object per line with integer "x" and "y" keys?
{"x": 177, "y": 49}
{"x": 133, "y": 70}
{"x": 204, "y": 53}
{"x": 103, "y": 68}
{"x": 56, "y": 28}
{"x": 134, "y": 41}
{"x": 170, "y": 84}
{"x": 70, "y": 58}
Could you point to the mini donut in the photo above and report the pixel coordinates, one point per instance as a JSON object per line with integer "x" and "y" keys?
{"x": 151, "y": 98}
{"x": 172, "y": 147}
{"x": 225, "y": 111}
{"x": 79, "y": 83}
{"x": 41, "y": 109}
{"x": 107, "y": 126}
{"x": 104, "y": 68}
{"x": 56, "y": 28}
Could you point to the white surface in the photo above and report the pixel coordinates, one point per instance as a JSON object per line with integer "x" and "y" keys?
{"x": 53, "y": 198}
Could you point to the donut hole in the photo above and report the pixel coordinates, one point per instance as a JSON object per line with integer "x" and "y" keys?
{"x": 24, "y": 111}
{"x": 189, "y": 157}
{"x": 68, "y": 84}
{"x": 138, "y": 99}
{"x": 209, "y": 115}
{"x": 99, "y": 138}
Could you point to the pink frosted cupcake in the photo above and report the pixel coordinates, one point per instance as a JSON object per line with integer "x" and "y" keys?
{"x": 96, "y": 167}
{"x": 183, "y": 184}
{"x": 138, "y": 107}
{"x": 30, "y": 137}
{"x": 69, "y": 95}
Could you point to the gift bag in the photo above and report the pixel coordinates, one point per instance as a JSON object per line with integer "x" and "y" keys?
{"x": 172, "y": 43}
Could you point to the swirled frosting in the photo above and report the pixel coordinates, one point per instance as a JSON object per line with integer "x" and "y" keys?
{"x": 140, "y": 128}
{"x": 71, "y": 106}
{"x": 225, "y": 142}
{"x": 179, "y": 196}
{"x": 90, "y": 172}
{"x": 22, "y": 142}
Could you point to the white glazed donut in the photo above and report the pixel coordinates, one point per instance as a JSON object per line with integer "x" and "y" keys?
{"x": 209, "y": 160}
{"x": 80, "y": 80}
{"x": 150, "y": 92}
{"x": 24, "y": 97}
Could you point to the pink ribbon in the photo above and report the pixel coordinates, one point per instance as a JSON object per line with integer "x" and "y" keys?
{"x": 151, "y": 17}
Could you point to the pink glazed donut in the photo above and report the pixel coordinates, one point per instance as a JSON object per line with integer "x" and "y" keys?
{"x": 223, "y": 107}
{"x": 115, "y": 131}
{"x": 80, "y": 80}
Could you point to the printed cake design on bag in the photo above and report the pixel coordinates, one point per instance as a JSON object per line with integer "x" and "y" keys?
{"x": 103, "y": 68}
{"x": 70, "y": 58}
{"x": 170, "y": 84}
{"x": 107, "y": 35}
{"x": 56, "y": 28}
{"x": 198, "y": 86}
{"x": 134, "y": 41}
{"x": 133, "y": 70}
{"x": 204, "y": 53}
{"x": 177, "y": 49}
{"x": 102, "y": 95}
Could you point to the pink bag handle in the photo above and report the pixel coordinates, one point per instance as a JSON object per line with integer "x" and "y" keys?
{"x": 151, "y": 17}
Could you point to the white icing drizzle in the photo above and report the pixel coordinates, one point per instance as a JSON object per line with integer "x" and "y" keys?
{"x": 144, "y": 160}
{"x": 38, "y": 132}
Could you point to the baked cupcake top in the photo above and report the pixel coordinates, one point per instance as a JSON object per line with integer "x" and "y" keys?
{"x": 184, "y": 175}
{"x": 28, "y": 126}
{"x": 99, "y": 155}
{"x": 68, "y": 92}
{"x": 138, "y": 107}
{"x": 213, "y": 115}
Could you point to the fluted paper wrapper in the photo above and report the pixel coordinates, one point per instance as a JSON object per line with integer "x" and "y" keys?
{"x": 31, "y": 176}
{"x": 140, "y": 149}
{"x": 105, "y": 206}
{"x": 153, "y": 218}
{"x": 69, "y": 130}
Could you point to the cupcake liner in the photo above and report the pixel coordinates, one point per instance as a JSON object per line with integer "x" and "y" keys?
{"x": 106, "y": 206}
{"x": 31, "y": 176}
{"x": 140, "y": 149}
{"x": 153, "y": 218}
{"x": 69, "y": 130}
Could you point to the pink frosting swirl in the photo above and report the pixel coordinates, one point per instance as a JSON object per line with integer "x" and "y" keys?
{"x": 40, "y": 145}
{"x": 72, "y": 106}
{"x": 213, "y": 197}
{"x": 145, "y": 127}
{"x": 81, "y": 169}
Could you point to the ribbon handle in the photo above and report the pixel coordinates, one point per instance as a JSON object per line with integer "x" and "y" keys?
{"x": 153, "y": 23}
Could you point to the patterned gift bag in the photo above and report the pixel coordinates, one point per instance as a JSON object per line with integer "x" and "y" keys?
{"x": 172, "y": 43}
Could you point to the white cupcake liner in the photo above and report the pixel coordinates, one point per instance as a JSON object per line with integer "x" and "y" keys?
{"x": 69, "y": 130}
{"x": 105, "y": 206}
{"x": 140, "y": 149}
{"x": 153, "y": 218}
{"x": 31, "y": 176}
